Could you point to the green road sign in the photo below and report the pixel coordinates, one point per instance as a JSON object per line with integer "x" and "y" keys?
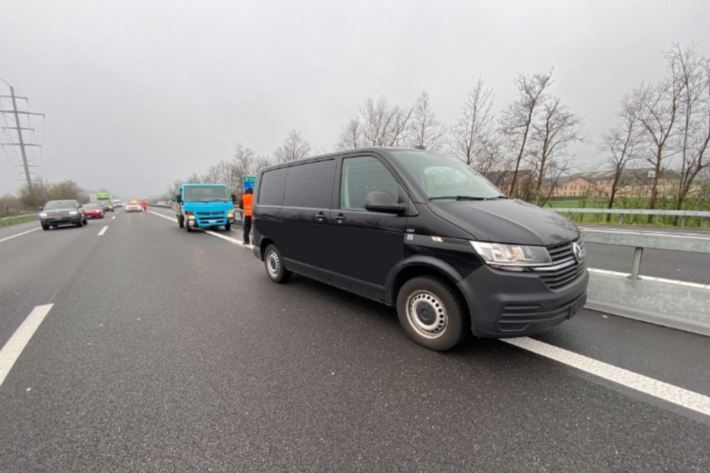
{"x": 103, "y": 195}
{"x": 249, "y": 182}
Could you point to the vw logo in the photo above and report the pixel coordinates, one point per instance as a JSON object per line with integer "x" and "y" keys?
{"x": 578, "y": 252}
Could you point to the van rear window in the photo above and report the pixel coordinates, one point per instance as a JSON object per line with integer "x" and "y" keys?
{"x": 310, "y": 185}
{"x": 271, "y": 189}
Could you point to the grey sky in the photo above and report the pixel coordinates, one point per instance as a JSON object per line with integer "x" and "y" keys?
{"x": 138, "y": 93}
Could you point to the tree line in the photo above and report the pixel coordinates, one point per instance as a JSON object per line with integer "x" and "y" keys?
{"x": 525, "y": 147}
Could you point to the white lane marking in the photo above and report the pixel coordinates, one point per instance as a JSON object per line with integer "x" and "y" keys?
{"x": 234, "y": 241}
{"x": 20, "y": 234}
{"x": 153, "y": 212}
{"x": 650, "y": 278}
{"x": 113, "y": 218}
{"x": 103, "y": 230}
{"x": 667, "y": 392}
{"x": 13, "y": 348}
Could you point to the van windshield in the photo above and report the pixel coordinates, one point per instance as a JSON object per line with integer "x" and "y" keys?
{"x": 443, "y": 177}
{"x": 207, "y": 194}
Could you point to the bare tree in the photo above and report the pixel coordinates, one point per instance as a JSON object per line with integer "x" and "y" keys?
{"x": 351, "y": 137}
{"x": 517, "y": 120}
{"x": 424, "y": 128}
{"x": 692, "y": 72}
{"x": 383, "y": 124}
{"x": 293, "y": 147}
{"x": 552, "y": 133}
{"x": 622, "y": 143}
{"x": 475, "y": 139}
{"x": 659, "y": 117}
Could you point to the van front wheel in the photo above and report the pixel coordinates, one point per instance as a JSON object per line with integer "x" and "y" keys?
{"x": 432, "y": 313}
{"x": 274, "y": 265}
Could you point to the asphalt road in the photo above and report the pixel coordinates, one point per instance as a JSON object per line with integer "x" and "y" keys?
{"x": 169, "y": 351}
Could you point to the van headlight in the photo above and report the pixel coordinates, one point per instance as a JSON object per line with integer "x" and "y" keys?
{"x": 512, "y": 257}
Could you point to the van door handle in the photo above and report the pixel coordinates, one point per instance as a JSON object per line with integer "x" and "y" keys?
{"x": 340, "y": 218}
{"x": 320, "y": 216}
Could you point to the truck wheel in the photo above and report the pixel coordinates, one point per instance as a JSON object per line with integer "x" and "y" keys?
{"x": 228, "y": 227}
{"x": 274, "y": 266}
{"x": 181, "y": 222}
{"x": 432, "y": 313}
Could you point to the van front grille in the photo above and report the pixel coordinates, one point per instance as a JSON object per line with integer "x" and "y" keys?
{"x": 567, "y": 274}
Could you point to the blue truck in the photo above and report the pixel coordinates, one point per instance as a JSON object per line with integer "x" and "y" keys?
{"x": 204, "y": 205}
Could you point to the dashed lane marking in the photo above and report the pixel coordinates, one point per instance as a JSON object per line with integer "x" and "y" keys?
{"x": 13, "y": 348}
{"x": 659, "y": 389}
{"x": 20, "y": 234}
{"x": 103, "y": 230}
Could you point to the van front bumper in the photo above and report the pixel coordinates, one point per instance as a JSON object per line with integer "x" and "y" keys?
{"x": 506, "y": 304}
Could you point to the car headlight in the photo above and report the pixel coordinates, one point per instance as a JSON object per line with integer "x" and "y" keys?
{"x": 43, "y": 214}
{"x": 512, "y": 257}
{"x": 72, "y": 212}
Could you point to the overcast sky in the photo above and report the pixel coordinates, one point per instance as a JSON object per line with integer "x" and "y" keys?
{"x": 138, "y": 93}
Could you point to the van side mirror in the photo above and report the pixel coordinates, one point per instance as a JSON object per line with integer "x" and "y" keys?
{"x": 378, "y": 201}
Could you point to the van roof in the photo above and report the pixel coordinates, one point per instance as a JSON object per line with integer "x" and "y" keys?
{"x": 340, "y": 153}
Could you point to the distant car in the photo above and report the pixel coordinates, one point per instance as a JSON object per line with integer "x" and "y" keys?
{"x": 93, "y": 210}
{"x": 133, "y": 206}
{"x": 107, "y": 206}
{"x": 62, "y": 212}
{"x": 162, "y": 203}
{"x": 117, "y": 204}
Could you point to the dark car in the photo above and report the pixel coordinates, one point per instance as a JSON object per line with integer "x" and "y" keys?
{"x": 62, "y": 212}
{"x": 425, "y": 233}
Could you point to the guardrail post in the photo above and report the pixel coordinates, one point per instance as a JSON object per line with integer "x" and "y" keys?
{"x": 621, "y": 219}
{"x": 638, "y": 253}
{"x": 682, "y": 223}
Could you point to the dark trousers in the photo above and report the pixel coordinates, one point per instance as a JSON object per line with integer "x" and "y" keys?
{"x": 247, "y": 229}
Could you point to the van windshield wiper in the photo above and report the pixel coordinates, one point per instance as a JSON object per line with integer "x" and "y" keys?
{"x": 456, "y": 197}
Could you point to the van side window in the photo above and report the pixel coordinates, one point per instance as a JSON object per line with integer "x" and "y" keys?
{"x": 310, "y": 185}
{"x": 271, "y": 188}
{"x": 362, "y": 176}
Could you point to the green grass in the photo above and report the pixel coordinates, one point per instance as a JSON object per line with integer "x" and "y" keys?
{"x": 632, "y": 203}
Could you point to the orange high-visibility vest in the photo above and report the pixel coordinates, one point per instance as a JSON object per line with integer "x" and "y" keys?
{"x": 247, "y": 200}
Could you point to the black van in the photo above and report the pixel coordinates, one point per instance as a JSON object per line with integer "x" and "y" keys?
{"x": 425, "y": 232}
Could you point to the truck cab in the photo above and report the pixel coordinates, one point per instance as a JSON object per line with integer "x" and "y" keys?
{"x": 204, "y": 205}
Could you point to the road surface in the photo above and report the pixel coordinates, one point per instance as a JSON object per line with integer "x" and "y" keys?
{"x": 169, "y": 351}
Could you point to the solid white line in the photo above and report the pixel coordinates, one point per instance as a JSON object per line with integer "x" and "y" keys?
{"x": 233, "y": 241}
{"x": 667, "y": 392}
{"x": 20, "y": 234}
{"x": 160, "y": 215}
{"x": 13, "y": 348}
{"x": 103, "y": 230}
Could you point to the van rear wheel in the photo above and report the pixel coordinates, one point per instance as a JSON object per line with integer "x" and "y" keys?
{"x": 274, "y": 265}
{"x": 432, "y": 313}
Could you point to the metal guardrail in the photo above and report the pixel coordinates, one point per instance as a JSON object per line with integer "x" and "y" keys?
{"x": 640, "y": 240}
{"x": 677, "y": 304}
{"x": 621, "y": 212}
{"x": 7, "y": 221}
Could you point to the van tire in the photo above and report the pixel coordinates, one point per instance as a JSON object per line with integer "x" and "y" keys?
{"x": 442, "y": 321}
{"x": 274, "y": 265}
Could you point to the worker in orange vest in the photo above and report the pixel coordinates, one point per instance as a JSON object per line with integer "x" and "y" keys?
{"x": 144, "y": 204}
{"x": 246, "y": 205}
